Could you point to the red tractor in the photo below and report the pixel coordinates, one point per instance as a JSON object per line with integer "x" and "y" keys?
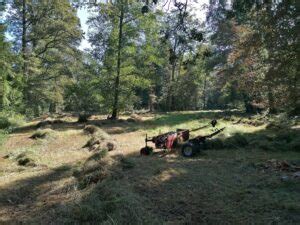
{"x": 171, "y": 139}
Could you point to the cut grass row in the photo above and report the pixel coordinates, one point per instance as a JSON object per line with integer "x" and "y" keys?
{"x": 225, "y": 186}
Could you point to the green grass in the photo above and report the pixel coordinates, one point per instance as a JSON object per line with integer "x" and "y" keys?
{"x": 9, "y": 120}
{"x": 3, "y": 137}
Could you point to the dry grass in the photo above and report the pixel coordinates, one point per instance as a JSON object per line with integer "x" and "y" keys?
{"x": 71, "y": 185}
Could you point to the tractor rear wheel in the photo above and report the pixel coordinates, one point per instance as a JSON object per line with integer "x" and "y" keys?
{"x": 189, "y": 149}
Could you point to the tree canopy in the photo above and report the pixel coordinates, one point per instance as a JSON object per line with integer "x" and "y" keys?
{"x": 149, "y": 55}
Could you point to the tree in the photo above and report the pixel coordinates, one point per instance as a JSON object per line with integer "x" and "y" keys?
{"x": 257, "y": 44}
{"x": 182, "y": 32}
{"x": 81, "y": 94}
{"x": 114, "y": 36}
{"x": 9, "y": 83}
{"x": 46, "y": 35}
{"x": 4, "y": 70}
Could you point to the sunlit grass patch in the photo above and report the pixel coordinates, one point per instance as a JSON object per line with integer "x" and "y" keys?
{"x": 228, "y": 182}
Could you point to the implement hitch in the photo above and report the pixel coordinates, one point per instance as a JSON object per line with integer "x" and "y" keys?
{"x": 193, "y": 146}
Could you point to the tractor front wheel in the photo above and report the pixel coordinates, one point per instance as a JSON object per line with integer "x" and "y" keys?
{"x": 146, "y": 150}
{"x": 189, "y": 149}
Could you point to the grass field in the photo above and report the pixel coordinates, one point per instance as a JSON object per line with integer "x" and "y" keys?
{"x": 247, "y": 176}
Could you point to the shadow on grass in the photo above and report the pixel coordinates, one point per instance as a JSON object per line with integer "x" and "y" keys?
{"x": 26, "y": 191}
{"x": 216, "y": 187}
{"x": 266, "y": 139}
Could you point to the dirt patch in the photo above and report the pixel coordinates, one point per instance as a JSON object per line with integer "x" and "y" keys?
{"x": 16, "y": 141}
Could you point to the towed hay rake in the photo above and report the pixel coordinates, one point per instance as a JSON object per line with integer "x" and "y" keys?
{"x": 171, "y": 139}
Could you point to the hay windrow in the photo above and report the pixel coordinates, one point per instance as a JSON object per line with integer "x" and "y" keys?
{"x": 43, "y": 134}
{"x": 95, "y": 169}
{"x": 90, "y": 129}
{"x": 99, "y": 140}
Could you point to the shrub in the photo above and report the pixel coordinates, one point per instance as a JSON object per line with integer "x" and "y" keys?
{"x": 4, "y": 123}
{"x": 3, "y": 136}
{"x": 10, "y": 120}
{"x": 16, "y": 120}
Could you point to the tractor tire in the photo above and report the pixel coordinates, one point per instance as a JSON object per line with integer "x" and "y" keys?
{"x": 189, "y": 149}
{"x": 146, "y": 150}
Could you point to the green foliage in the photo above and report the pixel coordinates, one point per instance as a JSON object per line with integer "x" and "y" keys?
{"x": 9, "y": 81}
{"x": 9, "y": 120}
{"x": 3, "y": 137}
{"x": 155, "y": 60}
{"x": 4, "y": 123}
{"x": 82, "y": 95}
{"x": 46, "y": 43}
{"x": 256, "y": 65}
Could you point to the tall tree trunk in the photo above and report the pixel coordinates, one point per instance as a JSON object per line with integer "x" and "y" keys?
{"x": 171, "y": 82}
{"x": 117, "y": 81}
{"x": 3, "y": 90}
{"x": 204, "y": 91}
{"x": 294, "y": 95}
{"x": 52, "y": 107}
{"x": 24, "y": 40}
{"x": 151, "y": 100}
{"x": 247, "y": 103}
{"x": 271, "y": 101}
{"x": 25, "y": 88}
{"x": 173, "y": 56}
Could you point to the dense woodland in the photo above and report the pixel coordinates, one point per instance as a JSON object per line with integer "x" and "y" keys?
{"x": 145, "y": 55}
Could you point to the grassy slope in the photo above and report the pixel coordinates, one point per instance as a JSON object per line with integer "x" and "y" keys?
{"x": 226, "y": 186}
